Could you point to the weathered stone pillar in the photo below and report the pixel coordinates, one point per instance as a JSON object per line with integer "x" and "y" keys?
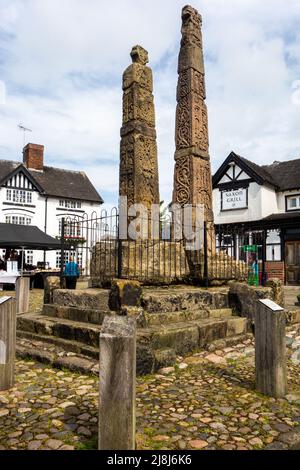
{"x": 117, "y": 384}
{"x": 270, "y": 353}
{"x": 138, "y": 150}
{"x": 7, "y": 342}
{"x": 22, "y": 294}
{"x": 51, "y": 283}
{"x": 192, "y": 174}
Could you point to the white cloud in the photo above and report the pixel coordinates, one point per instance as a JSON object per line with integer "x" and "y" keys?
{"x": 2, "y": 93}
{"x": 62, "y": 63}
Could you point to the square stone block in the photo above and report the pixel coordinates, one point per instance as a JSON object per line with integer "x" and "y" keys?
{"x": 124, "y": 293}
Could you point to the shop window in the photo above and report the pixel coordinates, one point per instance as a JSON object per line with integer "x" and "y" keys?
{"x": 273, "y": 245}
{"x": 273, "y": 252}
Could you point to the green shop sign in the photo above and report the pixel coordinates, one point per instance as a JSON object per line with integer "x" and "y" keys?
{"x": 250, "y": 248}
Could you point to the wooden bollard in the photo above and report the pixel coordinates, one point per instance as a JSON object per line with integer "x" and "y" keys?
{"x": 117, "y": 384}
{"x": 7, "y": 342}
{"x": 22, "y": 294}
{"x": 270, "y": 349}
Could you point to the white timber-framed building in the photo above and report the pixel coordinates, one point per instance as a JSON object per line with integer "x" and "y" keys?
{"x": 34, "y": 194}
{"x": 263, "y": 200}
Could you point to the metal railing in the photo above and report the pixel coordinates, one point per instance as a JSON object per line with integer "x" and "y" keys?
{"x": 103, "y": 255}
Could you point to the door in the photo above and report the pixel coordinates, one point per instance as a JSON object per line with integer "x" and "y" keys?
{"x": 292, "y": 263}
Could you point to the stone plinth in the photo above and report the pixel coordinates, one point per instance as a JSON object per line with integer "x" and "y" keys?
{"x": 161, "y": 262}
{"x": 149, "y": 261}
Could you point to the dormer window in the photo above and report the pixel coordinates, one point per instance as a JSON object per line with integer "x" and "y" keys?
{"x": 293, "y": 203}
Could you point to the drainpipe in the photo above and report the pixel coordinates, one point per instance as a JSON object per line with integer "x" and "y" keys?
{"x": 45, "y": 224}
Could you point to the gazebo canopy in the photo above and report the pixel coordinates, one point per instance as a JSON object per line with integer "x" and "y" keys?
{"x": 26, "y": 236}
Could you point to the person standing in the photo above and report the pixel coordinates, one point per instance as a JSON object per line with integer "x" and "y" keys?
{"x": 71, "y": 274}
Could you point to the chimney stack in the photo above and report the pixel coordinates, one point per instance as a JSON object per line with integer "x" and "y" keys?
{"x": 33, "y": 157}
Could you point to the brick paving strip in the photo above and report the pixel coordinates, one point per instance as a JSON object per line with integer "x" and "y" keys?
{"x": 207, "y": 401}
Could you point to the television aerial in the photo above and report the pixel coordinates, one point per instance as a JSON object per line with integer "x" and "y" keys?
{"x": 24, "y": 130}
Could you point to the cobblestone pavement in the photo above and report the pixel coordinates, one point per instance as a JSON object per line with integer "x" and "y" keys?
{"x": 35, "y": 298}
{"x": 207, "y": 401}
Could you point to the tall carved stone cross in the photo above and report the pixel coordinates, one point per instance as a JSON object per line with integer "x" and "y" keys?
{"x": 138, "y": 152}
{"x": 192, "y": 175}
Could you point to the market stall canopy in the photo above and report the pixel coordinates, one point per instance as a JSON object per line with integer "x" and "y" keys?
{"x": 26, "y": 236}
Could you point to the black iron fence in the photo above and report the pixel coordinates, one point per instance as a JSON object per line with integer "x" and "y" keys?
{"x": 224, "y": 253}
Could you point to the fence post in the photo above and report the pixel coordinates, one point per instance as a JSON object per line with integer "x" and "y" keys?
{"x": 62, "y": 250}
{"x": 22, "y": 294}
{"x": 263, "y": 271}
{"x": 119, "y": 267}
{"x": 117, "y": 384}
{"x": 7, "y": 342}
{"x": 205, "y": 247}
{"x": 270, "y": 353}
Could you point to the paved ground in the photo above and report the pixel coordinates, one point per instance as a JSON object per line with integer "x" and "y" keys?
{"x": 207, "y": 401}
{"x": 290, "y": 296}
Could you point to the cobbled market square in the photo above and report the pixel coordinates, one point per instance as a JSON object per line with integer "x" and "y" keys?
{"x": 150, "y": 284}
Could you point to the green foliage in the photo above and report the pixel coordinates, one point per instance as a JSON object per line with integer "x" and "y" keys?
{"x": 91, "y": 444}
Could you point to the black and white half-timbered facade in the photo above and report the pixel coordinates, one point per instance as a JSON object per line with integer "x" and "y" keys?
{"x": 34, "y": 194}
{"x": 264, "y": 202}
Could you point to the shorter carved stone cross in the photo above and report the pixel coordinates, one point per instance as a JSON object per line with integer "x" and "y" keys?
{"x": 138, "y": 150}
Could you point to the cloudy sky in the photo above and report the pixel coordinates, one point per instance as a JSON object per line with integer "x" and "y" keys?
{"x": 61, "y": 63}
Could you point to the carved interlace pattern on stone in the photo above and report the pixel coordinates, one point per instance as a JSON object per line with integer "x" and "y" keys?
{"x": 138, "y": 150}
{"x": 192, "y": 178}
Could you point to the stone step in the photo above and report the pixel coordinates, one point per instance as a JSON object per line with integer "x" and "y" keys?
{"x": 61, "y": 343}
{"x": 183, "y": 299}
{"x": 175, "y": 317}
{"x": 157, "y": 344}
{"x": 220, "y": 312}
{"x": 185, "y": 337}
{"x": 85, "y": 315}
{"x": 96, "y": 299}
{"x": 62, "y": 328}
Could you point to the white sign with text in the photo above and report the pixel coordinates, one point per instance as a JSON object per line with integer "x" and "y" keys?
{"x": 2, "y": 353}
{"x": 234, "y": 199}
